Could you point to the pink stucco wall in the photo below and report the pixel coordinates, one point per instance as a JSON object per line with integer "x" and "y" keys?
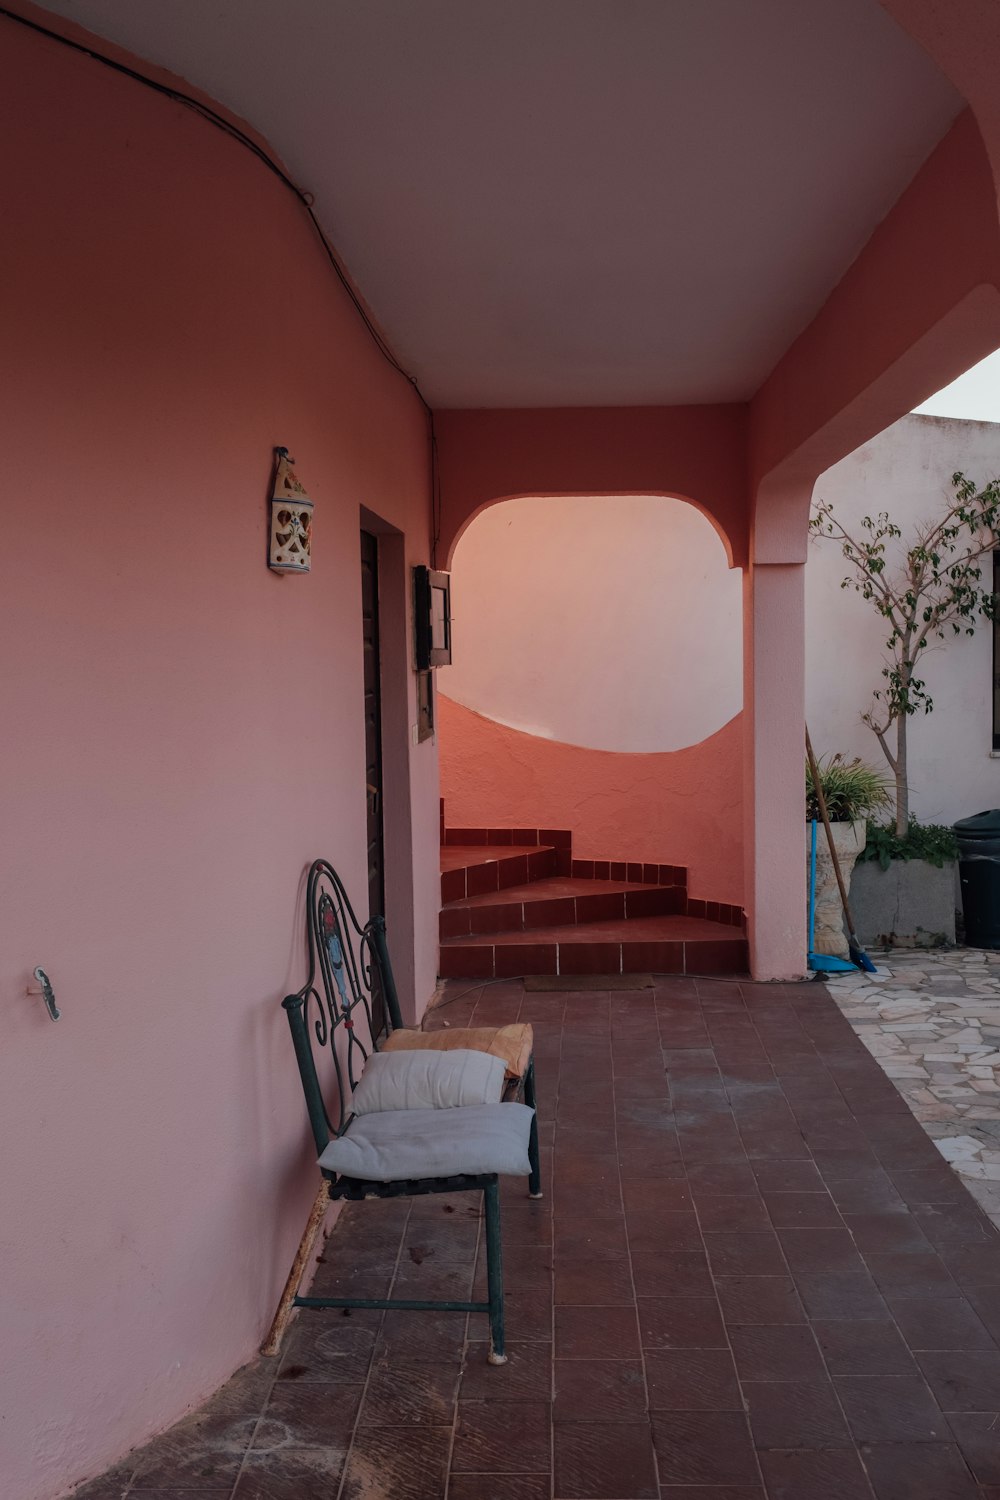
{"x": 184, "y": 732}
{"x": 679, "y": 807}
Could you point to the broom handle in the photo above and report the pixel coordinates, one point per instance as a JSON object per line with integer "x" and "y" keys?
{"x": 812, "y": 884}
{"x": 821, "y": 800}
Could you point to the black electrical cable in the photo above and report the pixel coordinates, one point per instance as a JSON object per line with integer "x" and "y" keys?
{"x": 305, "y": 199}
{"x": 220, "y": 121}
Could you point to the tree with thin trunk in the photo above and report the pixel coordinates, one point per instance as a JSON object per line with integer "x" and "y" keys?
{"x": 929, "y": 590}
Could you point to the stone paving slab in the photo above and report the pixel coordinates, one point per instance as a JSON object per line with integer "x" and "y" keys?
{"x": 931, "y": 1019}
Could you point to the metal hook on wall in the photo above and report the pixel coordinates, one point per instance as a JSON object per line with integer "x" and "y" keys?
{"x": 48, "y": 994}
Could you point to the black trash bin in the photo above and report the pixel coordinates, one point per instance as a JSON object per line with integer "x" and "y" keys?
{"x": 979, "y": 874}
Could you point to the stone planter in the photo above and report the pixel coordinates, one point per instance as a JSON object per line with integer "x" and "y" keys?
{"x": 849, "y": 840}
{"x": 910, "y": 905}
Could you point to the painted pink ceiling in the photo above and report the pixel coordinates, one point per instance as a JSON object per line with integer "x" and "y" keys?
{"x": 573, "y": 202}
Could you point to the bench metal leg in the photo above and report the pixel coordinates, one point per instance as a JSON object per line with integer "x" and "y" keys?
{"x": 494, "y": 1272}
{"x": 535, "y": 1177}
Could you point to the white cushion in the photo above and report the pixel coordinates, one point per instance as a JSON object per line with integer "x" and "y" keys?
{"x": 400, "y": 1143}
{"x": 428, "y": 1080}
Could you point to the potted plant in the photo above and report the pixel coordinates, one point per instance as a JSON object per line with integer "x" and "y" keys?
{"x": 927, "y": 589}
{"x": 904, "y": 892}
{"x": 930, "y": 590}
{"x": 852, "y": 790}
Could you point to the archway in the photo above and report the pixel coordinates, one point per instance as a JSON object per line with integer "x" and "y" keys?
{"x": 597, "y": 682}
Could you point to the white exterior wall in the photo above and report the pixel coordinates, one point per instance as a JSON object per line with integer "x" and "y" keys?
{"x": 906, "y": 471}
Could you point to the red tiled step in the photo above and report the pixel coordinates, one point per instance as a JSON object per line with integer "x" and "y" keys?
{"x": 632, "y": 870}
{"x": 555, "y": 838}
{"x": 558, "y": 901}
{"x": 662, "y": 945}
{"x": 478, "y": 869}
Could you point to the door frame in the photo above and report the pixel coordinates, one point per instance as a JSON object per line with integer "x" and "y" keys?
{"x": 397, "y": 810}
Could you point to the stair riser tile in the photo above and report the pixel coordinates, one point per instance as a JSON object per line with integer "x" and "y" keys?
{"x": 603, "y": 908}
{"x": 457, "y": 962}
{"x": 514, "y": 959}
{"x": 656, "y": 901}
{"x": 513, "y": 871}
{"x": 454, "y": 922}
{"x": 555, "y": 913}
{"x": 590, "y": 958}
{"x": 511, "y": 960}
{"x": 562, "y": 911}
{"x": 541, "y": 864}
{"x": 452, "y": 886}
{"x": 556, "y": 838}
{"x": 711, "y": 956}
{"x": 631, "y": 870}
{"x": 480, "y": 880}
{"x": 652, "y": 958}
{"x": 508, "y": 917}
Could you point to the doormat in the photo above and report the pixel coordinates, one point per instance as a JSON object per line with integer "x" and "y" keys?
{"x": 540, "y": 982}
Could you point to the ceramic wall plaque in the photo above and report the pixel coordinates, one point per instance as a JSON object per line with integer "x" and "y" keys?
{"x": 290, "y": 545}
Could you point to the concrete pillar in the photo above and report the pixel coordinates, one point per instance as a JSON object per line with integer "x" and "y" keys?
{"x": 774, "y": 756}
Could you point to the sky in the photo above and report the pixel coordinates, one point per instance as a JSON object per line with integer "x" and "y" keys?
{"x": 974, "y": 396}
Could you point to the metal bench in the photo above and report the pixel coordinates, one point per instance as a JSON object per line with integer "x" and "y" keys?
{"x": 334, "y": 1020}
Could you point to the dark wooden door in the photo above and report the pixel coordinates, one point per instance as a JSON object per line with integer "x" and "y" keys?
{"x": 373, "y": 739}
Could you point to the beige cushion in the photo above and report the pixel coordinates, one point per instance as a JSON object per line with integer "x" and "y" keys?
{"x": 428, "y": 1080}
{"x": 512, "y": 1043}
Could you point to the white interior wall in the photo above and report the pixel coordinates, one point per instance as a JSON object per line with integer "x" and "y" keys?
{"x": 612, "y": 622}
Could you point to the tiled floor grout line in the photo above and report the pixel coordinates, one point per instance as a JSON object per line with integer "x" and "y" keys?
{"x": 890, "y": 1317}
{"x": 260, "y": 1417}
{"x": 809, "y": 1320}
{"x": 131, "y": 1481}
{"x": 549, "y": 1188}
{"x": 457, "y": 1415}
{"x": 371, "y": 1360}
{"x": 456, "y": 1399}
{"x": 713, "y": 1277}
{"x": 628, "y": 1243}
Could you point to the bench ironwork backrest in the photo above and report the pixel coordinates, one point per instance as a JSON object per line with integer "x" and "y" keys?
{"x": 349, "y": 969}
{"x": 349, "y": 972}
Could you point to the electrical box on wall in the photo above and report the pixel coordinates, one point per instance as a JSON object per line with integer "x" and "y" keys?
{"x": 431, "y": 618}
{"x": 424, "y": 727}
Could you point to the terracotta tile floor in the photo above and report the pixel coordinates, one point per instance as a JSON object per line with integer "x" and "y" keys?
{"x": 753, "y": 1277}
